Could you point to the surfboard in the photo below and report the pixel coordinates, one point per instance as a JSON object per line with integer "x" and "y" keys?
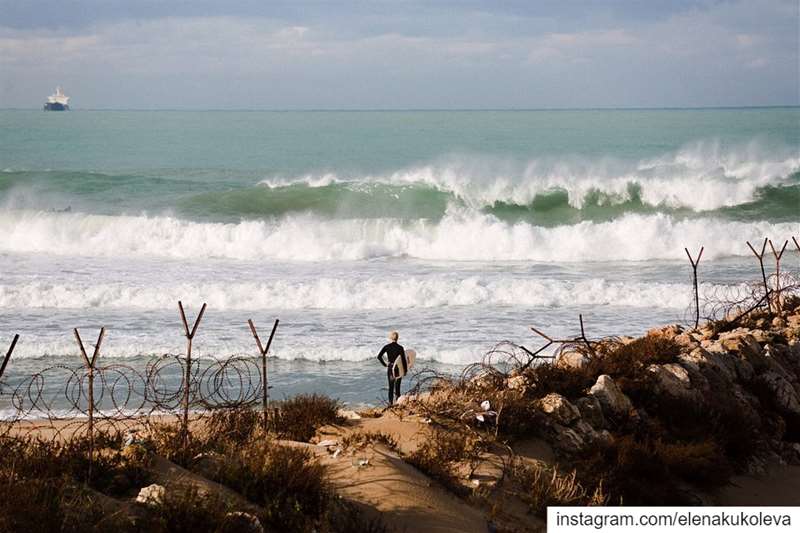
{"x": 397, "y": 368}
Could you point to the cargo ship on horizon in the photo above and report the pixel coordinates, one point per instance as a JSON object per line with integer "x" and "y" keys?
{"x": 57, "y": 102}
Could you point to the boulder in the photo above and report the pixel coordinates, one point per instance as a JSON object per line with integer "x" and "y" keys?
{"x": 742, "y": 342}
{"x": 610, "y": 396}
{"x": 567, "y": 440}
{"x": 591, "y": 411}
{"x": 673, "y": 380}
{"x": 783, "y": 392}
{"x": 559, "y": 409}
{"x": 571, "y": 359}
{"x": 152, "y": 495}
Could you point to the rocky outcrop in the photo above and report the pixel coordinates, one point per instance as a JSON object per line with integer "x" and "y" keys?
{"x": 611, "y": 398}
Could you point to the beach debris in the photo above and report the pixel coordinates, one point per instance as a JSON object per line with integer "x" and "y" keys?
{"x": 337, "y": 452}
{"x": 485, "y": 405}
{"x": 243, "y": 522}
{"x": 361, "y": 462}
{"x": 327, "y": 442}
{"x": 152, "y": 495}
{"x": 476, "y": 482}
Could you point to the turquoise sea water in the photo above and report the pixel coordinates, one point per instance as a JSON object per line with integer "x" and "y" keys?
{"x": 459, "y": 228}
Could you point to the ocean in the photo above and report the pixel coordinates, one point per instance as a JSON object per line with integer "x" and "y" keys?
{"x": 459, "y": 229}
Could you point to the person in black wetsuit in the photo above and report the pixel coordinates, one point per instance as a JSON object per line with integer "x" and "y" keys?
{"x": 393, "y": 351}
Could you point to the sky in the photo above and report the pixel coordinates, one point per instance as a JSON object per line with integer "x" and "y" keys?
{"x": 401, "y": 54}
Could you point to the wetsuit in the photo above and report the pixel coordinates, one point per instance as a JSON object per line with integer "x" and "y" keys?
{"x": 392, "y": 351}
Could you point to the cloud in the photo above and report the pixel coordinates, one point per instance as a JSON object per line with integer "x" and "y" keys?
{"x": 701, "y": 54}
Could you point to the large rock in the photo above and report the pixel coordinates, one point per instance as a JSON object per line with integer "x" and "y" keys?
{"x": 571, "y": 360}
{"x": 610, "y": 396}
{"x": 783, "y": 392}
{"x": 591, "y": 411}
{"x": 673, "y": 380}
{"x": 567, "y": 440}
{"x": 559, "y": 408}
{"x": 700, "y": 358}
{"x": 742, "y": 342}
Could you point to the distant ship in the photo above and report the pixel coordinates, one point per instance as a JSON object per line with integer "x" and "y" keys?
{"x": 57, "y": 102}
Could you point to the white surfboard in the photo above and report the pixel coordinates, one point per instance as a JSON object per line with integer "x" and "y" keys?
{"x": 397, "y": 368}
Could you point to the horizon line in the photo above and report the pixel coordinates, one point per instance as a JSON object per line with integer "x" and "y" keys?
{"x": 420, "y": 109}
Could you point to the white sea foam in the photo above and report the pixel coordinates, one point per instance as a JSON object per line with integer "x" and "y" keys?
{"x": 342, "y": 294}
{"x": 701, "y": 177}
{"x": 460, "y": 236}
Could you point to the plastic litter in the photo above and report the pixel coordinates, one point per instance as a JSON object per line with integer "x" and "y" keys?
{"x": 485, "y": 405}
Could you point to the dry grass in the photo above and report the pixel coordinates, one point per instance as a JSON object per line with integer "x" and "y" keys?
{"x": 360, "y": 439}
{"x": 441, "y": 455}
{"x": 298, "y": 418}
{"x": 543, "y": 486}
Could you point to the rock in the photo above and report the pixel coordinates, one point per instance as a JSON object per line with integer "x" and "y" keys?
{"x": 700, "y": 357}
{"x": 762, "y": 337}
{"x": 241, "y": 522}
{"x": 669, "y": 332}
{"x": 152, "y": 495}
{"x": 516, "y": 383}
{"x": 610, "y": 396}
{"x": 591, "y": 411}
{"x": 571, "y": 359}
{"x": 742, "y": 342}
{"x": 784, "y": 394}
{"x": 673, "y": 380}
{"x": 688, "y": 341}
{"x": 567, "y": 439}
{"x": 559, "y": 408}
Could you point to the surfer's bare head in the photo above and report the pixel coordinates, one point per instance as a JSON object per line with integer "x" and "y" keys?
{"x": 393, "y": 336}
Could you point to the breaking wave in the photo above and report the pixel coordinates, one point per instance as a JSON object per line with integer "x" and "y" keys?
{"x": 460, "y": 235}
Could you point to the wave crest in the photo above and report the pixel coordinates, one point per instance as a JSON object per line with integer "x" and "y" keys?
{"x": 461, "y": 235}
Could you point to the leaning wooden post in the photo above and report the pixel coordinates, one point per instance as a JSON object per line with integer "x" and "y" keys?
{"x": 694, "y": 263}
{"x": 188, "y": 374}
{"x": 583, "y": 336}
{"x": 90, "y": 369}
{"x": 778, "y": 255}
{"x": 760, "y": 257}
{"x": 8, "y": 355}
{"x": 263, "y": 352}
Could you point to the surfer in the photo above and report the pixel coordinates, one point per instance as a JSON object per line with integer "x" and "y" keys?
{"x": 393, "y": 351}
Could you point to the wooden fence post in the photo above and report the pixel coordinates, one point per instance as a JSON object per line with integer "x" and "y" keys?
{"x": 694, "y": 263}
{"x": 90, "y": 369}
{"x": 263, "y": 352}
{"x": 188, "y": 374}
